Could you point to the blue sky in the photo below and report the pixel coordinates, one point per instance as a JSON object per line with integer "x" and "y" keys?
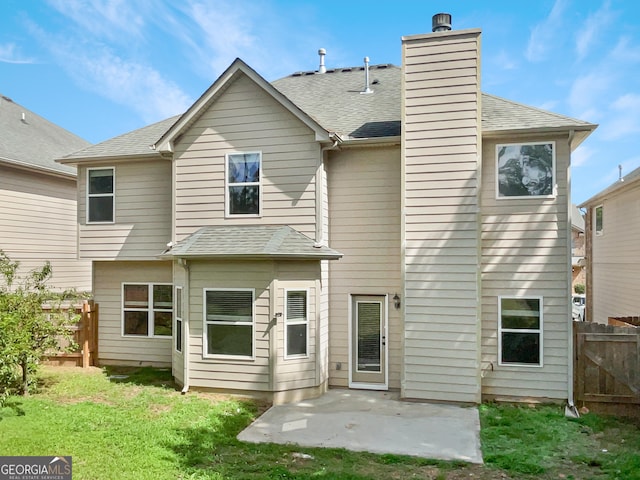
{"x": 102, "y": 68}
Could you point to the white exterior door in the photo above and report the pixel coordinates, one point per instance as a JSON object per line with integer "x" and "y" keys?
{"x": 368, "y": 346}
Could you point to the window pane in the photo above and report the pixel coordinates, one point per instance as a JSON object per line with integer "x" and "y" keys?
{"x": 163, "y": 296}
{"x": 244, "y": 168}
{"x": 101, "y": 209}
{"x": 136, "y": 323}
{"x": 244, "y": 200}
{"x": 230, "y": 340}
{"x": 179, "y": 302}
{"x": 297, "y": 339}
{"x": 136, "y": 296}
{"x": 179, "y": 335}
{"x": 229, "y": 306}
{"x": 521, "y": 313}
{"x": 297, "y": 306}
{"x": 521, "y": 348}
{"x": 599, "y": 218}
{"x": 101, "y": 181}
{"x": 369, "y": 352}
{"x": 162, "y": 323}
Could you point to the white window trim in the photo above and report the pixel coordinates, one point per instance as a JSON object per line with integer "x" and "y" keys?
{"x": 227, "y": 185}
{"x": 529, "y": 197}
{"x": 305, "y": 322}
{"x": 205, "y": 322}
{"x": 149, "y": 310}
{"x": 97, "y": 195}
{"x": 178, "y": 317}
{"x": 539, "y": 331}
{"x": 600, "y": 232}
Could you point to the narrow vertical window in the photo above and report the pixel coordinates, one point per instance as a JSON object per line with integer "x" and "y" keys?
{"x": 296, "y": 324}
{"x": 243, "y": 183}
{"x": 599, "y": 220}
{"x": 100, "y": 195}
{"x": 178, "y": 316}
{"x": 520, "y": 331}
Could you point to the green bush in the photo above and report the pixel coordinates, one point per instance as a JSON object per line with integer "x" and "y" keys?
{"x": 579, "y": 288}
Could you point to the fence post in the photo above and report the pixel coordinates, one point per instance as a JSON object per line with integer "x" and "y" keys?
{"x": 86, "y": 317}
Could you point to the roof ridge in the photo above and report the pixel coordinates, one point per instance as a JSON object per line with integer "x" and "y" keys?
{"x": 359, "y": 68}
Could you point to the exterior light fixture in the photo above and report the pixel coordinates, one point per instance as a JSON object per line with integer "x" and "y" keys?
{"x": 396, "y": 301}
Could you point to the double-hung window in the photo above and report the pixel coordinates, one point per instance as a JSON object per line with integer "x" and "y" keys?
{"x": 147, "y": 309}
{"x": 229, "y": 322}
{"x": 296, "y": 324}
{"x": 243, "y": 188}
{"x": 520, "y": 331}
{"x": 100, "y": 195}
{"x": 178, "y": 316}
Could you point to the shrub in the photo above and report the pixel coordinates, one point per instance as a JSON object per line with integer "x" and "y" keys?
{"x": 579, "y": 288}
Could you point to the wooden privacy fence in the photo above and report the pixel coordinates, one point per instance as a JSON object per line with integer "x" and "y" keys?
{"x": 607, "y": 368}
{"x": 85, "y": 335}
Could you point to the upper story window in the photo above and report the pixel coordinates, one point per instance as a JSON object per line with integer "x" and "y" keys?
{"x": 525, "y": 170}
{"x": 243, "y": 195}
{"x": 520, "y": 331}
{"x": 100, "y": 195}
{"x": 599, "y": 220}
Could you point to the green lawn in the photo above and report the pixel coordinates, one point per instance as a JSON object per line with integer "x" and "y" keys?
{"x": 142, "y": 428}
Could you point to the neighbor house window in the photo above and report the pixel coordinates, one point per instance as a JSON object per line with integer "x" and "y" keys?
{"x": 100, "y": 195}
{"x": 243, "y": 183}
{"x": 520, "y": 330}
{"x": 228, "y": 318}
{"x": 296, "y": 324}
{"x": 599, "y": 220}
{"x": 178, "y": 316}
{"x": 147, "y": 309}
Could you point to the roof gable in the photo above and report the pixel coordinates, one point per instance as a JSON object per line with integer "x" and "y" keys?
{"x": 629, "y": 180}
{"x": 238, "y": 67}
{"x": 30, "y": 141}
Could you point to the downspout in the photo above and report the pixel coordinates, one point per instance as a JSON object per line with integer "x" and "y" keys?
{"x": 185, "y": 324}
{"x": 570, "y": 410}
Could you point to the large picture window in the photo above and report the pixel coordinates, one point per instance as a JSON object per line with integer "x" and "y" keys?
{"x": 178, "y": 316}
{"x": 525, "y": 170}
{"x": 228, "y": 319}
{"x": 520, "y": 331}
{"x": 296, "y": 324}
{"x": 100, "y": 195}
{"x": 243, "y": 183}
{"x": 147, "y": 309}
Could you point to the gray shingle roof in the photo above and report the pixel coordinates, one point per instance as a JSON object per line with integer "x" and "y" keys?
{"x": 136, "y": 142}
{"x": 257, "y": 241}
{"x": 630, "y": 178}
{"x": 34, "y": 141}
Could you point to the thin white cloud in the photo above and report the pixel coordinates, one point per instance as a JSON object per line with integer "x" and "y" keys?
{"x": 596, "y": 24}
{"x": 587, "y": 93}
{"x": 581, "y": 155}
{"x": 548, "y": 105}
{"x": 624, "y": 119}
{"x": 543, "y": 38}
{"x": 9, "y": 54}
{"x": 625, "y": 51}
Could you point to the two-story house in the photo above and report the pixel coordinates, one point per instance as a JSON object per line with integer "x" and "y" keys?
{"x": 613, "y": 250}
{"x": 373, "y": 227}
{"x": 38, "y": 197}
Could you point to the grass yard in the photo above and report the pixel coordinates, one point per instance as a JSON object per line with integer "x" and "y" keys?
{"x": 140, "y": 427}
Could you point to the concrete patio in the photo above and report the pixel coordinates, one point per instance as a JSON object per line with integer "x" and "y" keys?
{"x": 372, "y": 421}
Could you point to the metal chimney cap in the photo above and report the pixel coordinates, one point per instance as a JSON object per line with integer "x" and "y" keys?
{"x": 441, "y": 22}
{"x": 322, "y": 68}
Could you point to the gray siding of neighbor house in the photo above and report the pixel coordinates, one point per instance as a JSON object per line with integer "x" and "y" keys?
{"x": 38, "y": 223}
{"x": 142, "y": 225}
{"x": 616, "y": 256}
{"x": 246, "y": 119}
{"x": 364, "y": 221}
{"x": 441, "y": 148}
{"x": 113, "y": 347}
{"x": 525, "y": 253}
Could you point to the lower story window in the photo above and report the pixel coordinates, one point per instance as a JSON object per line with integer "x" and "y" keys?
{"x": 520, "y": 331}
{"x": 229, "y": 319}
{"x": 296, "y": 324}
{"x": 147, "y": 309}
{"x": 178, "y": 317}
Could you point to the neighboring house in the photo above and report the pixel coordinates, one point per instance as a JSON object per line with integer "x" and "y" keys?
{"x": 578, "y": 263}
{"x": 613, "y": 250}
{"x": 38, "y": 211}
{"x": 316, "y": 232}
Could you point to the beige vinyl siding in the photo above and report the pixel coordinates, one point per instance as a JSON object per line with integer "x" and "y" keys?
{"x": 142, "y": 225}
{"x": 364, "y": 224}
{"x": 525, "y": 248}
{"x": 441, "y": 147}
{"x": 250, "y": 374}
{"x": 113, "y": 347}
{"x": 246, "y": 119}
{"x": 616, "y": 256}
{"x": 38, "y": 223}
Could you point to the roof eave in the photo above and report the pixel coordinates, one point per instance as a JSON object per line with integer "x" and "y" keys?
{"x": 581, "y": 132}
{"x": 619, "y": 185}
{"x": 110, "y": 158}
{"x": 255, "y": 256}
{"x": 37, "y": 168}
